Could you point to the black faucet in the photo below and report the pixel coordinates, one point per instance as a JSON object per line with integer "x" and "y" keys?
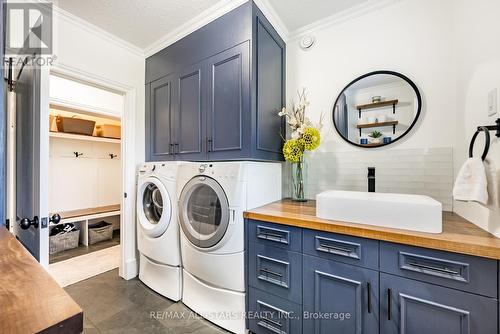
{"x": 371, "y": 179}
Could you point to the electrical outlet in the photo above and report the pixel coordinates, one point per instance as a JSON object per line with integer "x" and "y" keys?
{"x": 492, "y": 102}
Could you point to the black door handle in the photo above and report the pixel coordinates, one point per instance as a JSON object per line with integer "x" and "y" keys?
{"x": 369, "y": 299}
{"x": 389, "y": 305}
{"x": 55, "y": 219}
{"x": 26, "y": 223}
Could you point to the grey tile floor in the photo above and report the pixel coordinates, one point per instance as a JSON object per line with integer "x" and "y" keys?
{"x": 113, "y": 305}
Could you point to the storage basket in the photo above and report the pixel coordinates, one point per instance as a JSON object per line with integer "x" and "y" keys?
{"x": 100, "y": 232}
{"x": 65, "y": 241}
{"x": 75, "y": 125}
{"x": 109, "y": 131}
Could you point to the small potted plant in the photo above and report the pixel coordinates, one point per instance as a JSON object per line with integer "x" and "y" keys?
{"x": 375, "y": 137}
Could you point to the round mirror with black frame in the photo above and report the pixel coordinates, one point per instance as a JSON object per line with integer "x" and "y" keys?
{"x": 377, "y": 109}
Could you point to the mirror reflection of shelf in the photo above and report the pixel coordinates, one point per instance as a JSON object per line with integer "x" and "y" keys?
{"x": 376, "y": 125}
{"x": 374, "y": 105}
{"x": 372, "y": 145}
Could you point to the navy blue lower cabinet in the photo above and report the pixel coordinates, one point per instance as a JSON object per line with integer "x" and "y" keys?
{"x": 339, "y": 298}
{"x": 269, "y": 314}
{"x": 275, "y": 271}
{"x": 411, "y": 307}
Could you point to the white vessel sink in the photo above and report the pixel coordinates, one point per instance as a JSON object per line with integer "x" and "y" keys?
{"x": 408, "y": 212}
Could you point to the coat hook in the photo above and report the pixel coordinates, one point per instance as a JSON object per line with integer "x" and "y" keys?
{"x": 112, "y": 156}
{"x": 77, "y": 154}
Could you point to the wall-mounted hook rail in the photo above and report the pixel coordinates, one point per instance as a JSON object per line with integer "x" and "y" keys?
{"x": 77, "y": 154}
{"x": 112, "y": 156}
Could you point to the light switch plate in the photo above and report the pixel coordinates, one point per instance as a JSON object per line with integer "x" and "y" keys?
{"x": 492, "y": 102}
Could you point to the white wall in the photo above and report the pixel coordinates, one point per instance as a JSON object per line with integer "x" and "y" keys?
{"x": 411, "y": 37}
{"x": 478, "y": 68}
{"x": 449, "y": 48}
{"x": 85, "y": 50}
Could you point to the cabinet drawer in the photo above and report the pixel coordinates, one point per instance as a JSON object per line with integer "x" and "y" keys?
{"x": 282, "y": 236}
{"x": 275, "y": 271}
{"x": 269, "y": 314}
{"x": 463, "y": 272}
{"x": 342, "y": 248}
{"x": 408, "y": 306}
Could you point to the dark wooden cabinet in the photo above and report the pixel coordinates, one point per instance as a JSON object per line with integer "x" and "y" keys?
{"x": 225, "y": 106}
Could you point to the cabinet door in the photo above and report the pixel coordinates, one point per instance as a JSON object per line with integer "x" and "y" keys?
{"x": 190, "y": 137}
{"x": 159, "y": 112}
{"x": 228, "y": 104}
{"x": 412, "y": 307}
{"x": 339, "y": 298}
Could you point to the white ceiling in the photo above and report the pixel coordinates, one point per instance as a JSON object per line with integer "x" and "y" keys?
{"x": 140, "y": 22}
{"x": 144, "y": 22}
{"x": 296, "y": 14}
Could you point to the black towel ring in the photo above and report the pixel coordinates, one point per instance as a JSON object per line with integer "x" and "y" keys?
{"x": 487, "y": 144}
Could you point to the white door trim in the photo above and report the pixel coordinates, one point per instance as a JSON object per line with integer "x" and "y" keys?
{"x": 128, "y": 263}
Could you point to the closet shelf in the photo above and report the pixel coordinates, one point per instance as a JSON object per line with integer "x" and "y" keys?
{"x": 82, "y": 137}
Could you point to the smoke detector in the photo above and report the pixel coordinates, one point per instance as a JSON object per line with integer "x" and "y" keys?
{"x": 307, "y": 42}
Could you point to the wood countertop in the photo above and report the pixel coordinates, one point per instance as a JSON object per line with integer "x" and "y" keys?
{"x": 459, "y": 235}
{"x": 30, "y": 299}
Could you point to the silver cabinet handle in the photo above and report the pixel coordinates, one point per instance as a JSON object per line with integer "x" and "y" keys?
{"x": 276, "y": 323}
{"x": 441, "y": 270}
{"x": 336, "y": 248}
{"x": 267, "y": 271}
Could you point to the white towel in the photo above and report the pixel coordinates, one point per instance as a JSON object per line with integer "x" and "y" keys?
{"x": 493, "y": 179}
{"x": 471, "y": 183}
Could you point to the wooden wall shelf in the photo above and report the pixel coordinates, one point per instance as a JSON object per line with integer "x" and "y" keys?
{"x": 376, "y": 125}
{"x": 381, "y": 104}
{"x": 378, "y": 104}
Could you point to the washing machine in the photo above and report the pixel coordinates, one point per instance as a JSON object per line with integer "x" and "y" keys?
{"x": 160, "y": 265}
{"x": 212, "y": 199}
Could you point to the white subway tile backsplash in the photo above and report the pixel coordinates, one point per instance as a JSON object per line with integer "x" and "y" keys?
{"x": 412, "y": 171}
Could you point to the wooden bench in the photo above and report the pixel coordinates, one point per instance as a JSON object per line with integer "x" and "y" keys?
{"x": 83, "y": 216}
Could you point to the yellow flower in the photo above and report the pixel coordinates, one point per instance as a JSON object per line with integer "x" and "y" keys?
{"x": 292, "y": 150}
{"x": 310, "y": 139}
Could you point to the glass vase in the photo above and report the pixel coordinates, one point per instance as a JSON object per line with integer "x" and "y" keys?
{"x": 299, "y": 170}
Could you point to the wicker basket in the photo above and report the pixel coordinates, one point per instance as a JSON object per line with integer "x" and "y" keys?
{"x": 75, "y": 125}
{"x": 62, "y": 242}
{"x": 100, "y": 232}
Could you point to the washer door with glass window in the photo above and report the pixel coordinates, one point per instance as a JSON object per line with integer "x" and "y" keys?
{"x": 154, "y": 208}
{"x": 204, "y": 212}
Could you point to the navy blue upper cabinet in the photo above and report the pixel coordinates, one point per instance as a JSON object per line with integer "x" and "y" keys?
{"x": 189, "y": 130}
{"x": 227, "y": 84}
{"x": 159, "y": 142}
{"x": 229, "y": 103}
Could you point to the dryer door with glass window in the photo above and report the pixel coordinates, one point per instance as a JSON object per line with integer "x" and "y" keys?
{"x": 154, "y": 207}
{"x": 204, "y": 212}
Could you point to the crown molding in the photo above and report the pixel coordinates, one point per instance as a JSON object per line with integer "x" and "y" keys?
{"x": 343, "y": 16}
{"x": 272, "y": 16}
{"x": 96, "y": 31}
{"x": 205, "y": 17}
